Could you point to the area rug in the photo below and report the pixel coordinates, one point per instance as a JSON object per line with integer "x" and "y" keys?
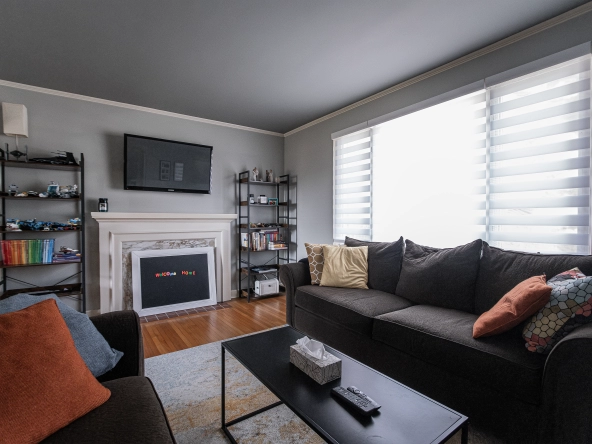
{"x": 188, "y": 383}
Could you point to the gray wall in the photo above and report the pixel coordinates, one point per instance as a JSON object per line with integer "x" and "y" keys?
{"x": 58, "y": 123}
{"x": 309, "y": 153}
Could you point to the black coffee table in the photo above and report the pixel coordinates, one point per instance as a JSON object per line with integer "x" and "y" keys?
{"x": 406, "y": 416}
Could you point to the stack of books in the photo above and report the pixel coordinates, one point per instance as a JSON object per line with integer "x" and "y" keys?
{"x": 277, "y": 246}
{"x": 63, "y": 257}
{"x": 259, "y": 240}
{"x": 27, "y": 252}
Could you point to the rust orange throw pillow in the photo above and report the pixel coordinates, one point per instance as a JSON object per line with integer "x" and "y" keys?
{"x": 44, "y": 383}
{"x": 521, "y": 302}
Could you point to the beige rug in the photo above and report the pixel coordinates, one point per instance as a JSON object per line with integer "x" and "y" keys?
{"x": 188, "y": 383}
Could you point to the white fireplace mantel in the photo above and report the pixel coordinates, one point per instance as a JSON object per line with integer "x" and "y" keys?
{"x": 116, "y": 228}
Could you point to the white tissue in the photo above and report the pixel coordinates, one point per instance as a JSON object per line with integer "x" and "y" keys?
{"x": 312, "y": 348}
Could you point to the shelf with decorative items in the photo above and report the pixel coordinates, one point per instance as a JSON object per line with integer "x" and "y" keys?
{"x": 34, "y": 246}
{"x": 265, "y": 237}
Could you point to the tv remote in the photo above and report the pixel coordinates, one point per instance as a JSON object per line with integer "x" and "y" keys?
{"x": 361, "y": 394}
{"x": 359, "y": 404}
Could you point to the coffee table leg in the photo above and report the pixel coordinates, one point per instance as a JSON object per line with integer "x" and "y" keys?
{"x": 223, "y": 373}
{"x": 464, "y": 437}
{"x": 225, "y": 424}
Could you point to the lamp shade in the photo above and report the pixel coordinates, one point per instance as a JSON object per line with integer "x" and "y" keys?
{"x": 16, "y": 122}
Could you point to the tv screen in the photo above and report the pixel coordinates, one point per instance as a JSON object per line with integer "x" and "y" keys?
{"x": 164, "y": 165}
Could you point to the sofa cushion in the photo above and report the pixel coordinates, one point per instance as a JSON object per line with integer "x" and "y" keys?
{"x": 517, "y": 305}
{"x": 92, "y": 346}
{"x": 442, "y": 277}
{"x": 351, "y": 308}
{"x": 444, "y": 337}
{"x": 384, "y": 263}
{"x": 44, "y": 383}
{"x": 345, "y": 267}
{"x": 501, "y": 270}
{"x": 569, "y": 307}
{"x": 316, "y": 260}
{"x": 132, "y": 414}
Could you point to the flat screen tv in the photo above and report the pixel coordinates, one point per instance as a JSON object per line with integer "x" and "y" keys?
{"x": 165, "y": 165}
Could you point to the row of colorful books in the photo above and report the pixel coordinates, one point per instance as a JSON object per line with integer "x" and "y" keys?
{"x": 27, "y": 252}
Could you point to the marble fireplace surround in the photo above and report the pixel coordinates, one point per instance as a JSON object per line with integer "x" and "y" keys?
{"x": 122, "y": 233}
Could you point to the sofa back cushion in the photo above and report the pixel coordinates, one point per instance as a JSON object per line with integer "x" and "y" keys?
{"x": 384, "y": 263}
{"x": 501, "y": 270}
{"x": 441, "y": 277}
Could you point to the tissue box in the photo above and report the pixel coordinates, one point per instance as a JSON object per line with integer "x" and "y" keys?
{"x": 321, "y": 370}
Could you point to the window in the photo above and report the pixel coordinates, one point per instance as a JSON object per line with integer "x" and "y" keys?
{"x": 508, "y": 163}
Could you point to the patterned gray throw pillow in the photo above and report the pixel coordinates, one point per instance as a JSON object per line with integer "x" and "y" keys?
{"x": 92, "y": 346}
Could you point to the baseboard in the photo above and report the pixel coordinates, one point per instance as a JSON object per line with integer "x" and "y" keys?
{"x": 233, "y": 294}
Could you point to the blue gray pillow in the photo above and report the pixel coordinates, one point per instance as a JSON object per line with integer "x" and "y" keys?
{"x": 92, "y": 346}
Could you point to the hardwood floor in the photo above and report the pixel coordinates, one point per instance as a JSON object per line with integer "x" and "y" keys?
{"x": 169, "y": 335}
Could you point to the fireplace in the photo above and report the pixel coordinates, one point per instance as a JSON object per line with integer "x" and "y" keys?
{"x": 170, "y": 280}
{"x": 122, "y": 234}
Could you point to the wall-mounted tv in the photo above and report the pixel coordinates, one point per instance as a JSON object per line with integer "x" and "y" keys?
{"x": 165, "y": 165}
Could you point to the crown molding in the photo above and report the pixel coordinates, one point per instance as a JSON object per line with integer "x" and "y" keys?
{"x": 68, "y": 95}
{"x": 571, "y": 14}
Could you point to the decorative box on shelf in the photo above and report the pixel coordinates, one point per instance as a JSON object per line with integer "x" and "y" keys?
{"x": 321, "y": 370}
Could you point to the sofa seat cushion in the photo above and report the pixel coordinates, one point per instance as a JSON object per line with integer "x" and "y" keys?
{"x": 444, "y": 338}
{"x": 351, "y": 308}
{"x": 132, "y": 414}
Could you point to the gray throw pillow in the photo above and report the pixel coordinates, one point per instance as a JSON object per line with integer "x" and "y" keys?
{"x": 443, "y": 277}
{"x": 92, "y": 346}
{"x": 384, "y": 262}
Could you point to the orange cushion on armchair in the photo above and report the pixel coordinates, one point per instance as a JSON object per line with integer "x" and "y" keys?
{"x": 515, "y": 306}
{"x": 44, "y": 383}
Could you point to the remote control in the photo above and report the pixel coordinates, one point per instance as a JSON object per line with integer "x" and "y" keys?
{"x": 359, "y": 404}
{"x": 361, "y": 394}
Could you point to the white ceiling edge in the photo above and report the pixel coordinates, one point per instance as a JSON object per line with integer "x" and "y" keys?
{"x": 566, "y": 16}
{"x": 55, "y": 92}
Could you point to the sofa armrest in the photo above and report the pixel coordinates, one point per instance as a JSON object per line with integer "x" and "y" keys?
{"x": 293, "y": 275}
{"x": 121, "y": 329}
{"x": 567, "y": 391}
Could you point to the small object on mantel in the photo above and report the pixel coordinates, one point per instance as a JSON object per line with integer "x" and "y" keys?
{"x": 312, "y": 359}
{"x": 103, "y": 205}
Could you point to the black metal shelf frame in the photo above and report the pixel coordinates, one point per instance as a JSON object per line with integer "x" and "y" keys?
{"x": 245, "y": 276}
{"x": 58, "y": 286}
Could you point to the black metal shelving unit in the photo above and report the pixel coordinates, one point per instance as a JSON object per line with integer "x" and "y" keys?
{"x": 248, "y": 259}
{"x": 75, "y": 290}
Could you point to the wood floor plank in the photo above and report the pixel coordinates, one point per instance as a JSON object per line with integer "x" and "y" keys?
{"x": 169, "y": 335}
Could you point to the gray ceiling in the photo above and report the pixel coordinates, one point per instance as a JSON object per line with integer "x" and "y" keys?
{"x": 268, "y": 64}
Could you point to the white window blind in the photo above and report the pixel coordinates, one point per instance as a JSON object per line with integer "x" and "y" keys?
{"x": 539, "y": 161}
{"x": 352, "y": 186}
{"x": 424, "y": 176}
{"x": 509, "y": 164}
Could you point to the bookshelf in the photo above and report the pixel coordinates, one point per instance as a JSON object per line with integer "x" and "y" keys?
{"x": 12, "y": 206}
{"x": 258, "y": 259}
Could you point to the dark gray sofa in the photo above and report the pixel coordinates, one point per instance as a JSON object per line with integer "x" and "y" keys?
{"x": 505, "y": 390}
{"x": 133, "y": 413}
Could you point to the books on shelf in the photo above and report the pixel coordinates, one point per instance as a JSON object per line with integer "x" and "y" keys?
{"x": 259, "y": 241}
{"x": 27, "y": 251}
{"x": 277, "y": 246}
{"x": 62, "y": 257}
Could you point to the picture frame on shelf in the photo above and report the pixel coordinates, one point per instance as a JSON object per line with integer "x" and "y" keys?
{"x": 272, "y": 201}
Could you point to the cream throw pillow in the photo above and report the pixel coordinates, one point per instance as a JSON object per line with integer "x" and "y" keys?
{"x": 345, "y": 267}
